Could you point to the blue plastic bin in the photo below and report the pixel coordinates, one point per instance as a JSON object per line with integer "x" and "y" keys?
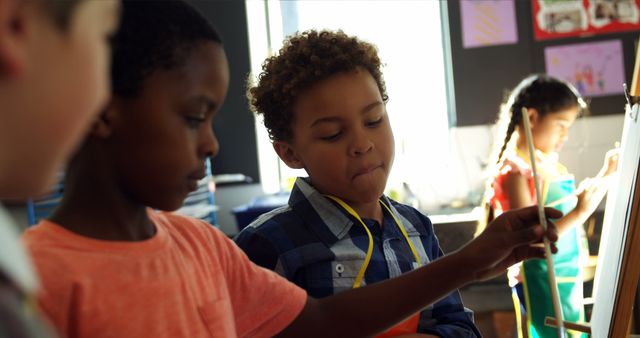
{"x": 247, "y": 213}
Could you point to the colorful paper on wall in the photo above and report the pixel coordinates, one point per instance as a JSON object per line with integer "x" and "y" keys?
{"x": 554, "y": 19}
{"x": 594, "y": 68}
{"x": 488, "y": 23}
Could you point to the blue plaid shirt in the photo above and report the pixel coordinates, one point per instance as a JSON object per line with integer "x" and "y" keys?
{"x": 314, "y": 243}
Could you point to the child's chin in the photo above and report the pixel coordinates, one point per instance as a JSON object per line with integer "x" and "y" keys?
{"x": 167, "y": 205}
{"x": 371, "y": 195}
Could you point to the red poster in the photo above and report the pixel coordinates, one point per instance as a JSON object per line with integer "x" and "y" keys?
{"x": 554, "y": 19}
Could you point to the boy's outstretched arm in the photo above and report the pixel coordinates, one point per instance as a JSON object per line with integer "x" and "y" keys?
{"x": 369, "y": 310}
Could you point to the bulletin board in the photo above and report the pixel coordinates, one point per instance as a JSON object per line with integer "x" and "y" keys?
{"x": 482, "y": 76}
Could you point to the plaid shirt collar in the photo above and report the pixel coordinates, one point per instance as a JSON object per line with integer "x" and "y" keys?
{"x": 329, "y": 222}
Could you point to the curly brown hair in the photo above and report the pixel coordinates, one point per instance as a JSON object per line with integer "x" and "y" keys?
{"x": 305, "y": 59}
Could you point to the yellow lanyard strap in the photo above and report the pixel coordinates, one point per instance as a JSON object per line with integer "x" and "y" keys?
{"x": 404, "y": 233}
{"x": 367, "y": 258}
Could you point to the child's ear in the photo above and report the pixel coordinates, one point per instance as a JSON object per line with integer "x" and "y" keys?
{"x": 12, "y": 31}
{"x": 534, "y": 116}
{"x": 287, "y": 154}
{"x": 103, "y": 126}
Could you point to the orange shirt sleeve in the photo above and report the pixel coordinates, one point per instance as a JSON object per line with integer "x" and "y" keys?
{"x": 264, "y": 303}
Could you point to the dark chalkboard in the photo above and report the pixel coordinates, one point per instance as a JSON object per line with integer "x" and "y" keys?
{"x": 234, "y": 125}
{"x": 482, "y": 76}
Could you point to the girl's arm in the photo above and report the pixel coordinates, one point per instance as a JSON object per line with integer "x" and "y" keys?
{"x": 517, "y": 190}
{"x": 591, "y": 191}
{"x": 610, "y": 163}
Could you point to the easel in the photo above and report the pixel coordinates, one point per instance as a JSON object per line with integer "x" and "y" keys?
{"x": 612, "y": 316}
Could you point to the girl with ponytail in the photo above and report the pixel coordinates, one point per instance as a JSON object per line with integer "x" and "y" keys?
{"x": 552, "y": 106}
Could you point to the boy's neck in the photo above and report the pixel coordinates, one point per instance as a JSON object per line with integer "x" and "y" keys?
{"x": 94, "y": 205}
{"x": 105, "y": 224}
{"x": 370, "y": 210}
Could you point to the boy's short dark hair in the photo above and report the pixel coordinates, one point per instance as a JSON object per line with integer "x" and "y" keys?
{"x": 60, "y": 11}
{"x": 304, "y": 60}
{"x": 153, "y": 35}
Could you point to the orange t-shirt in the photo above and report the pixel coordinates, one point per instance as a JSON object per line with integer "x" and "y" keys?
{"x": 188, "y": 280}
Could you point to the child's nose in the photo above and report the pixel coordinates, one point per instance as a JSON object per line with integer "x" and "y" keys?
{"x": 209, "y": 146}
{"x": 361, "y": 144}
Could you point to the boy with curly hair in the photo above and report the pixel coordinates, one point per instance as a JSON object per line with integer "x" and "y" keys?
{"x": 323, "y": 100}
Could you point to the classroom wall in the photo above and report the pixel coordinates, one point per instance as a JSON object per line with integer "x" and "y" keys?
{"x": 234, "y": 124}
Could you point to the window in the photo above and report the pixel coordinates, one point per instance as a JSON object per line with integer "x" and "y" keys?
{"x": 409, "y": 37}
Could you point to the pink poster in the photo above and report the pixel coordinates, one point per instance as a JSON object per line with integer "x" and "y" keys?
{"x": 488, "y": 22}
{"x": 594, "y": 68}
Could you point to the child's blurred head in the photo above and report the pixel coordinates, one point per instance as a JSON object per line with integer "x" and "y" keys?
{"x": 323, "y": 101}
{"x": 552, "y": 104}
{"x": 169, "y": 76}
{"x": 53, "y": 81}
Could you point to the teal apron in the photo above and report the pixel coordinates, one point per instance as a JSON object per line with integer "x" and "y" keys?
{"x": 558, "y": 193}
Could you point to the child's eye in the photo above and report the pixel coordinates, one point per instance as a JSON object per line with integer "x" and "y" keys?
{"x": 374, "y": 123}
{"x": 193, "y": 121}
{"x": 333, "y": 137}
